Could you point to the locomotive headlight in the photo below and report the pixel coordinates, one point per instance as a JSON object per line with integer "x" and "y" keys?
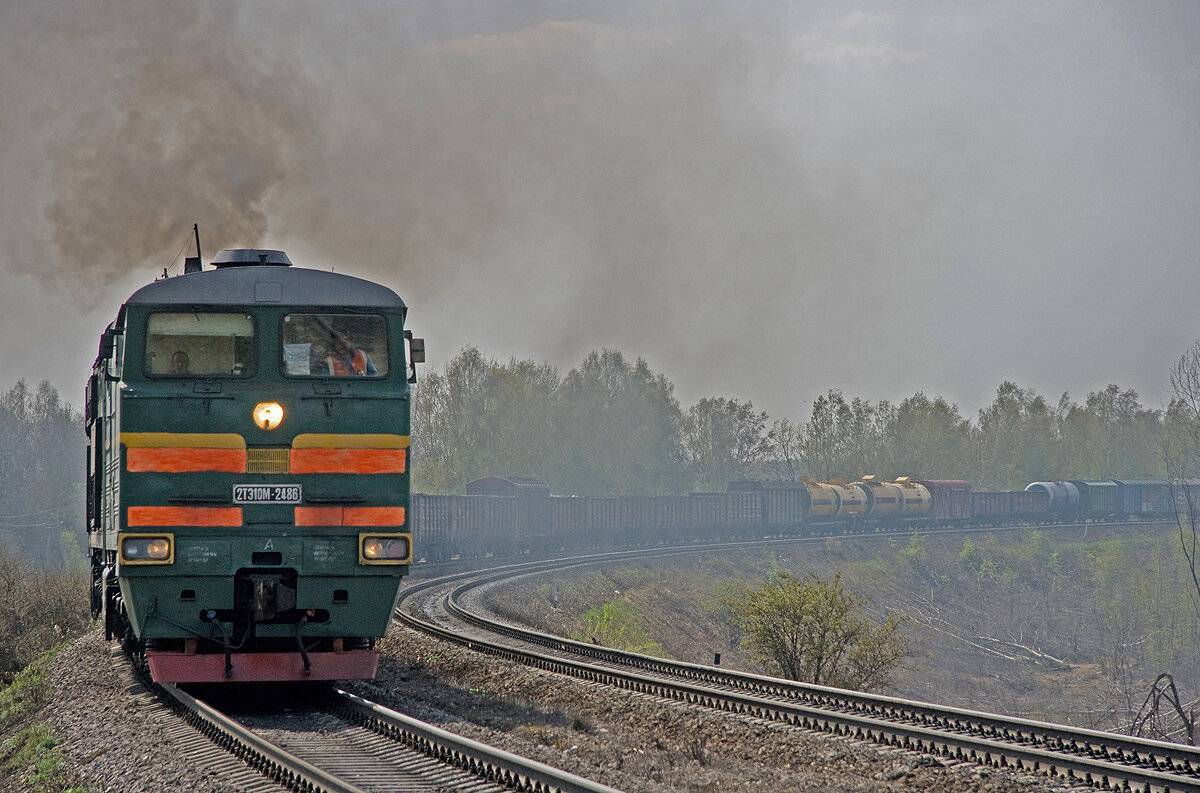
{"x": 268, "y": 415}
{"x": 384, "y": 548}
{"x": 147, "y": 549}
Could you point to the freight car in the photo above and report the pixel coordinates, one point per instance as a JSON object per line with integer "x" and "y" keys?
{"x": 445, "y": 527}
{"x": 247, "y": 478}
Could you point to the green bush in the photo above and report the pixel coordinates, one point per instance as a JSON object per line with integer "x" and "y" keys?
{"x": 39, "y": 608}
{"x": 617, "y": 624}
{"x": 818, "y": 631}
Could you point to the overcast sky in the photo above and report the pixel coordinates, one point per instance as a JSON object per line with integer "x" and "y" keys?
{"x": 765, "y": 200}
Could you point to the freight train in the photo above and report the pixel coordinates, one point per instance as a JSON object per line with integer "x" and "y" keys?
{"x": 247, "y": 471}
{"x": 505, "y": 516}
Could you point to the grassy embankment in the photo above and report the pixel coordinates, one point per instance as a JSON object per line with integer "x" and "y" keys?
{"x": 30, "y": 759}
{"x": 40, "y": 610}
{"x": 1066, "y": 626}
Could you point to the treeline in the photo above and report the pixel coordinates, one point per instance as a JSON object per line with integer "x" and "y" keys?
{"x": 43, "y": 571}
{"x": 42, "y": 448}
{"x": 614, "y": 426}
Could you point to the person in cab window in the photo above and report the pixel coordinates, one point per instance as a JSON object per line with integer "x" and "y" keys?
{"x": 346, "y": 359}
{"x": 180, "y": 363}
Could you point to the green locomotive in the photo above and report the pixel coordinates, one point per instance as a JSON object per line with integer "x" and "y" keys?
{"x": 248, "y": 487}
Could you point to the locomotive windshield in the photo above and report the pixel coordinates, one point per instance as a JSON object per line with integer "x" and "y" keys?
{"x": 335, "y": 345}
{"x": 199, "y": 344}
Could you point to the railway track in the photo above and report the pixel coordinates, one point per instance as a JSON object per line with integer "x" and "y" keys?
{"x": 337, "y": 742}
{"x": 1081, "y": 756}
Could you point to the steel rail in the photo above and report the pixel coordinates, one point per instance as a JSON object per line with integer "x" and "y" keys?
{"x": 487, "y": 762}
{"x": 1180, "y": 758}
{"x": 1094, "y": 757}
{"x": 269, "y": 759}
{"x": 484, "y": 762}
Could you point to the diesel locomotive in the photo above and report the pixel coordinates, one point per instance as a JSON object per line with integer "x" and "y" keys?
{"x": 247, "y": 472}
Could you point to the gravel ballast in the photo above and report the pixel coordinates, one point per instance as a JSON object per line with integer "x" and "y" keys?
{"x": 117, "y": 738}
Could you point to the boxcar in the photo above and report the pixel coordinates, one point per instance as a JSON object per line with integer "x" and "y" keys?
{"x": 1097, "y": 497}
{"x": 1143, "y": 498}
{"x": 784, "y": 505}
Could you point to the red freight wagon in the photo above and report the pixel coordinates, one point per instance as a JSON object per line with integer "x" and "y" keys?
{"x": 603, "y": 514}
{"x": 430, "y": 523}
{"x": 951, "y": 499}
{"x": 674, "y": 516}
{"x": 638, "y": 513}
{"x": 744, "y": 512}
{"x": 568, "y": 519}
{"x": 1030, "y": 503}
{"x": 784, "y": 504}
{"x": 708, "y": 512}
{"x": 992, "y": 505}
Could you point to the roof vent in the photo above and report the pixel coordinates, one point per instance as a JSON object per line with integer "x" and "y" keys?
{"x": 251, "y": 257}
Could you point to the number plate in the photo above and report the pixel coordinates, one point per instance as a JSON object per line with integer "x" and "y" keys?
{"x": 266, "y": 494}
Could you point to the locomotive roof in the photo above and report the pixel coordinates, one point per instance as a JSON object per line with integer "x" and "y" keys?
{"x": 267, "y": 285}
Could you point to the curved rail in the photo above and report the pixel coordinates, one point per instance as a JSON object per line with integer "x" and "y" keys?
{"x": 1093, "y": 757}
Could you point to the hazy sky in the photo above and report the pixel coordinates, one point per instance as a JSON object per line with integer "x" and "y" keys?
{"x": 764, "y": 200}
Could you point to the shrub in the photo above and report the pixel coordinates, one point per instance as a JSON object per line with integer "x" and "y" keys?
{"x": 39, "y": 608}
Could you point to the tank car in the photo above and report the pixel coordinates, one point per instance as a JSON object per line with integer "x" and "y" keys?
{"x": 884, "y": 499}
{"x": 248, "y": 486}
{"x": 918, "y": 502}
{"x": 1063, "y": 496}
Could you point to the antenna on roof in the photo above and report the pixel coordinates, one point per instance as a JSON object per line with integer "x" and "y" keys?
{"x": 190, "y": 264}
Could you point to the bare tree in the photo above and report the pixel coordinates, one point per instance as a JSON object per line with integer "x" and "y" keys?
{"x": 1150, "y": 719}
{"x": 784, "y": 460}
{"x": 1181, "y": 459}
